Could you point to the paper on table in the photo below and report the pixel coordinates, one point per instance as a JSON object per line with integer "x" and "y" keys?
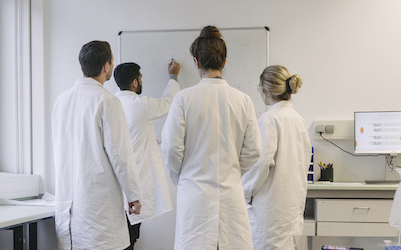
{"x": 47, "y": 200}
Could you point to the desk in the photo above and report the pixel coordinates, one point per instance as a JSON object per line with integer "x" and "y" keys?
{"x": 351, "y": 190}
{"x": 342, "y": 209}
{"x": 23, "y": 221}
{"x": 329, "y": 196}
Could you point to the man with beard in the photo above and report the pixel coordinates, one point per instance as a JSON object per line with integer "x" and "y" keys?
{"x": 141, "y": 113}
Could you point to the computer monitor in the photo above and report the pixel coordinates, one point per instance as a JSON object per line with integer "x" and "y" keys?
{"x": 377, "y": 132}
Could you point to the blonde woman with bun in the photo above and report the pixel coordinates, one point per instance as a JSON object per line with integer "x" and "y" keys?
{"x": 210, "y": 139}
{"x": 275, "y": 187}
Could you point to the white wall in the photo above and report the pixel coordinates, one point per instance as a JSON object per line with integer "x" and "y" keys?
{"x": 348, "y": 52}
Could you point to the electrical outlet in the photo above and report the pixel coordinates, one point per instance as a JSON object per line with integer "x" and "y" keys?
{"x": 329, "y": 129}
{"x": 320, "y": 128}
{"x": 344, "y": 129}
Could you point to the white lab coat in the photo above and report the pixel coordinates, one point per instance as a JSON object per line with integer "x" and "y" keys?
{"x": 94, "y": 161}
{"x": 395, "y": 215}
{"x": 142, "y": 112}
{"x": 210, "y": 139}
{"x": 278, "y": 181}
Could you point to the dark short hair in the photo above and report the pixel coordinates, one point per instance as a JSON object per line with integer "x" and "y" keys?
{"x": 93, "y": 56}
{"x": 125, "y": 73}
{"x": 209, "y": 48}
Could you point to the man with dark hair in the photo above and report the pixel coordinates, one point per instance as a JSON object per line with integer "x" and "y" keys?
{"x": 142, "y": 112}
{"x": 93, "y": 159}
{"x": 92, "y": 57}
{"x": 125, "y": 74}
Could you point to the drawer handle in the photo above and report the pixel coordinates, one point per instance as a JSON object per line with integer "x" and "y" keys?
{"x": 364, "y": 208}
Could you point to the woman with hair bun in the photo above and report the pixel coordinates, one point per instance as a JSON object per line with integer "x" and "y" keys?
{"x": 210, "y": 139}
{"x": 275, "y": 187}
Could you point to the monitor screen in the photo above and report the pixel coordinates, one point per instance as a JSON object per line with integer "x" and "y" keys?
{"x": 377, "y": 132}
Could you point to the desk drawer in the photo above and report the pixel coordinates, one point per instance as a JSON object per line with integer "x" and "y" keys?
{"x": 353, "y": 210}
{"x": 356, "y": 229}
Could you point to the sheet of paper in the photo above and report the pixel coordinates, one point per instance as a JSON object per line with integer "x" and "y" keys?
{"x": 47, "y": 200}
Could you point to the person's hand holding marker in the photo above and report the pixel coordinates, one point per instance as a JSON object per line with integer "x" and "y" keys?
{"x": 173, "y": 67}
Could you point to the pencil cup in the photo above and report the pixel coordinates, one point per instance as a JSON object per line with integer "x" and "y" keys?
{"x": 326, "y": 174}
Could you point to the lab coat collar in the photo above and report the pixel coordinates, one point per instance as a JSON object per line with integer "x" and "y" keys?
{"x": 282, "y": 104}
{"x": 125, "y": 92}
{"x": 213, "y": 80}
{"x": 87, "y": 80}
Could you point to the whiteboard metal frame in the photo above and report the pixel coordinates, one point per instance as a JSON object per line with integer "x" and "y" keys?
{"x": 191, "y": 30}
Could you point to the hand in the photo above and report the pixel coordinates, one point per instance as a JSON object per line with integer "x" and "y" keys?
{"x": 173, "y": 67}
{"x": 134, "y": 207}
{"x": 248, "y": 200}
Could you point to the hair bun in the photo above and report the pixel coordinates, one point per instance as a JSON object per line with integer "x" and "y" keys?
{"x": 295, "y": 83}
{"x": 210, "y": 31}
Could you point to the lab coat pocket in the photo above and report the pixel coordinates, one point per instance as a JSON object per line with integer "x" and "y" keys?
{"x": 250, "y": 213}
{"x": 63, "y": 223}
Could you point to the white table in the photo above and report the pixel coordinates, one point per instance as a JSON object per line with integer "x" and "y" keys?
{"x": 23, "y": 221}
{"x": 351, "y": 190}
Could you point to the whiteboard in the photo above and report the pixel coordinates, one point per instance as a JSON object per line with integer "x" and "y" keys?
{"x": 152, "y": 50}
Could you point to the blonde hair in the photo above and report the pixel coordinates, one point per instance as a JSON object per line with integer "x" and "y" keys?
{"x": 279, "y": 82}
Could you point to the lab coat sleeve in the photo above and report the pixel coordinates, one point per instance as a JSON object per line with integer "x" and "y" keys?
{"x": 118, "y": 147}
{"x": 251, "y": 147}
{"x": 157, "y": 108}
{"x": 173, "y": 136}
{"x": 253, "y": 180}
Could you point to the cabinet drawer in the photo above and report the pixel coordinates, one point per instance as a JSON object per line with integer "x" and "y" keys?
{"x": 353, "y": 210}
{"x": 356, "y": 229}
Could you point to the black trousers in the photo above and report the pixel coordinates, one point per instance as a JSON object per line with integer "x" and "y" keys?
{"x": 133, "y": 234}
